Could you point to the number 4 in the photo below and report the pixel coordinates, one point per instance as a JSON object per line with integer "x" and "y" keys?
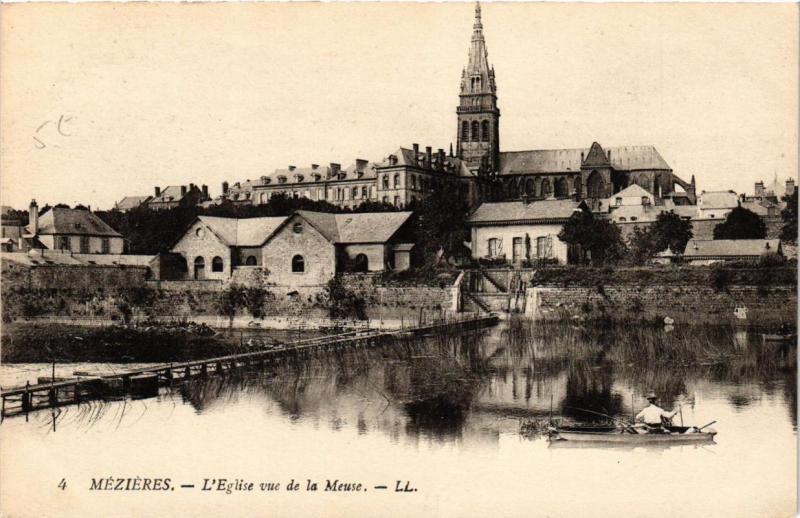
{"x": 63, "y": 484}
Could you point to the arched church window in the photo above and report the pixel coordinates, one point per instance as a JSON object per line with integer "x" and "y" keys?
{"x": 595, "y": 185}
{"x": 547, "y": 188}
{"x": 475, "y": 131}
{"x": 465, "y": 131}
{"x": 485, "y": 131}
{"x": 561, "y": 188}
{"x": 530, "y": 187}
{"x": 578, "y": 186}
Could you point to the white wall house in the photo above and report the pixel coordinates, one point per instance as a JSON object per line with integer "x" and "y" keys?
{"x": 520, "y": 231}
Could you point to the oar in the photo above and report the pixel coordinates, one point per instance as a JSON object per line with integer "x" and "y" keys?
{"x": 706, "y": 426}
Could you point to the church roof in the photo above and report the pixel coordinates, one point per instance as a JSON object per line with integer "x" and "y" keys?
{"x": 623, "y": 158}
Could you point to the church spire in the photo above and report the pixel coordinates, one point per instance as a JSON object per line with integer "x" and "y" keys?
{"x": 478, "y": 115}
{"x": 478, "y": 64}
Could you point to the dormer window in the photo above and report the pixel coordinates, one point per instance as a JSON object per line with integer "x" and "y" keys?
{"x": 298, "y": 178}
{"x": 281, "y": 179}
{"x": 645, "y": 200}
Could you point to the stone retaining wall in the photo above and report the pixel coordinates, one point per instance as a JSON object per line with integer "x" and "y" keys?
{"x": 765, "y": 305}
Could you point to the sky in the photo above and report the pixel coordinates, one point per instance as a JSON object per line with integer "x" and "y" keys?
{"x": 101, "y": 101}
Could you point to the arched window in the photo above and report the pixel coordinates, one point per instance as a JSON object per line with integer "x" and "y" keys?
{"x": 485, "y": 131}
{"x": 530, "y": 188}
{"x": 561, "y": 188}
{"x": 595, "y": 185}
{"x": 251, "y": 260}
{"x": 396, "y": 181}
{"x": 298, "y": 264}
{"x": 199, "y": 268}
{"x": 465, "y": 131}
{"x": 386, "y": 181}
{"x": 547, "y": 188}
{"x": 475, "y": 131}
{"x": 578, "y": 186}
{"x": 355, "y": 192}
{"x": 216, "y": 264}
{"x": 364, "y": 192}
{"x": 360, "y": 263}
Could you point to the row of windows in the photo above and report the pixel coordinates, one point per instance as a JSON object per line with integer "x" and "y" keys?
{"x": 477, "y": 132}
{"x": 218, "y": 265}
{"x": 65, "y": 243}
{"x": 544, "y": 248}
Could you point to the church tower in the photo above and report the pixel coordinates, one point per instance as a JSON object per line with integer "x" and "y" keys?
{"x": 478, "y": 134}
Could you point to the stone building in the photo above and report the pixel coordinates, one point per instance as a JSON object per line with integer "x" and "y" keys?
{"x": 305, "y": 249}
{"x": 310, "y": 247}
{"x": 519, "y": 232}
{"x": 131, "y": 202}
{"x": 74, "y": 230}
{"x": 212, "y": 247}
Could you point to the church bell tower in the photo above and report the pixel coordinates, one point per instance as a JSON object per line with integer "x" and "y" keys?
{"x": 478, "y": 134}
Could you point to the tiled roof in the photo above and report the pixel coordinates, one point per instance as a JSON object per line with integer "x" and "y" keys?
{"x": 131, "y": 202}
{"x": 730, "y": 247}
{"x": 170, "y": 193}
{"x": 623, "y": 158}
{"x": 718, "y": 200}
{"x": 62, "y": 220}
{"x": 756, "y": 207}
{"x": 521, "y": 211}
{"x": 364, "y": 227}
{"x": 44, "y": 257}
{"x": 242, "y": 231}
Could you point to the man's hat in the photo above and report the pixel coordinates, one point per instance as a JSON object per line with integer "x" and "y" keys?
{"x": 651, "y": 395}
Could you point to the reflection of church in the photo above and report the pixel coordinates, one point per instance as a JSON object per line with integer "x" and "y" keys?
{"x": 592, "y": 174}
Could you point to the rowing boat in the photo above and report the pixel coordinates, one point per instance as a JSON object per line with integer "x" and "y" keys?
{"x": 614, "y": 434}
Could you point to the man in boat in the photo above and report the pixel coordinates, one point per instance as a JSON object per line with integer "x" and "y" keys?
{"x": 653, "y": 416}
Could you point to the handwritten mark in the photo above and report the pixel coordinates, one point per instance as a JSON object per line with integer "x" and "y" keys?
{"x": 60, "y": 129}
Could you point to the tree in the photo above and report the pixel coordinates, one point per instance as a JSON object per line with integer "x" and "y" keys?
{"x": 601, "y": 238}
{"x": 741, "y": 224}
{"x": 440, "y": 225}
{"x": 229, "y": 302}
{"x": 668, "y": 231}
{"x": 789, "y": 215}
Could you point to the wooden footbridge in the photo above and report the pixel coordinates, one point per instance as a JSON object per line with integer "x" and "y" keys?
{"x": 145, "y": 382}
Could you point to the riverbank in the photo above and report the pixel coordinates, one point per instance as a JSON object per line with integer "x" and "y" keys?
{"x": 31, "y": 343}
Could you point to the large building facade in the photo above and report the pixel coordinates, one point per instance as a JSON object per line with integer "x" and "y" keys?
{"x": 477, "y": 170}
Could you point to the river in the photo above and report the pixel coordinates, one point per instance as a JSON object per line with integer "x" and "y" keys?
{"x": 439, "y": 419}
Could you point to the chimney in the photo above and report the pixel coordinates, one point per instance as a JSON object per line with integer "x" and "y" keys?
{"x": 361, "y": 164}
{"x": 183, "y": 190}
{"x": 292, "y": 168}
{"x": 415, "y": 160}
{"x": 451, "y": 150}
{"x": 789, "y": 186}
{"x": 428, "y": 157}
{"x": 191, "y": 187}
{"x": 581, "y": 157}
{"x": 205, "y": 191}
{"x": 314, "y": 166}
{"x": 441, "y": 159}
{"x": 335, "y": 169}
{"x": 158, "y": 191}
{"x": 609, "y": 155}
{"x": 224, "y": 187}
{"x": 392, "y": 160}
{"x": 759, "y": 188}
{"x": 33, "y": 218}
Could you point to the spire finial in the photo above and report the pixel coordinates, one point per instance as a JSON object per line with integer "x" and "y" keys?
{"x": 477, "y": 24}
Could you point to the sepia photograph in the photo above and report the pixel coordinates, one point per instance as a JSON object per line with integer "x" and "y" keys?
{"x": 394, "y": 259}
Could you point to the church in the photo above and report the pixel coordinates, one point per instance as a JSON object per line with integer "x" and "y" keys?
{"x": 477, "y": 170}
